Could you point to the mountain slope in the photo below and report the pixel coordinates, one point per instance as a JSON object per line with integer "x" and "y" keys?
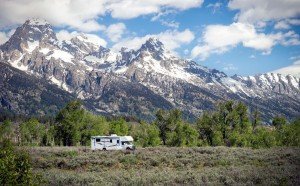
{"x": 26, "y": 95}
{"x": 138, "y": 82}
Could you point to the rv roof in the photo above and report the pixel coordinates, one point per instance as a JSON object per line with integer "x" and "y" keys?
{"x": 122, "y": 138}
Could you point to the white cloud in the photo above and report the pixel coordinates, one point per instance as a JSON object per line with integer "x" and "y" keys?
{"x": 119, "y": 8}
{"x": 92, "y": 38}
{"x": 297, "y": 63}
{"x": 260, "y": 42}
{"x": 3, "y": 37}
{"x": 294, "y": 58}
{"x": 289, "y": 38}
{"x": 282, "y": 25}
{"x": 81, "y": 14}
{"x": 159, "y": 17}
{"x": 252, "y": 11}
{"x": 162, "y": 14}
{"x": 77, "y": 14}
{"x": 115, "y": 31}
{"x": 171, "y": 39}
{"x": 287, "y": 23}
{"x": 293, "y": 69}
{"x": 230, "y": 67}
{"x": 172, "y": 24}
{"x": 217, "y": 39}
{"x": 215, "y": 7}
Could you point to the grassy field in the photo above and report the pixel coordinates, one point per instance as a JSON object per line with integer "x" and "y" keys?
{"x": 168, "y": 166}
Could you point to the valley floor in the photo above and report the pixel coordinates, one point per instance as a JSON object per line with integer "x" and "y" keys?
{"x": 167, "y": 166}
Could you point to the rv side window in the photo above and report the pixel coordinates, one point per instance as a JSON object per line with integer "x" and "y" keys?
{"x": 97, "y": 139}
{"x": 118, "y": 141}
{"x": 111, "y": 140}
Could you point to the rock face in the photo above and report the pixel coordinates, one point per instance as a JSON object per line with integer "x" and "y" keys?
{"x": 26, "y": 95}
{"x": 138, "y": 82}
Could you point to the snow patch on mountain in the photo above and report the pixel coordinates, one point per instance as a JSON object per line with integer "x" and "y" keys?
{"x": 45, "y": 50}
{"x": 32, "y": 45}
{"x": 152, "y": 71}
{"x": 59, "y": 84}
{"x": 94, "y": 59}
{"x": 37, "y": 22}
{"x": 60, "y": 54}
{"x": 19, "y": 65}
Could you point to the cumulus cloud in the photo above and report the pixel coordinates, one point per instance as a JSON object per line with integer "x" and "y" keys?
{"x": 217, "y": 39}
{"x": 64, "y": 35}
{"x": 252, "y": 11}
{"x": 163, "y": 14}
{"x": 77, "y": 14}
{"x": 287, "y": 23}
{"x": 115, "y": 31}
{"x": 81, "y": 14}
{"x": 119, "y": 8}
{"x": 171, "y": 39}
{"x": 293, "y": 69}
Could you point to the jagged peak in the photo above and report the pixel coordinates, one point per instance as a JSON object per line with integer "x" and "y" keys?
{"x": 36, "y": 22}
{"x": 89, "y": 38}
{"x": 153, "y": 43}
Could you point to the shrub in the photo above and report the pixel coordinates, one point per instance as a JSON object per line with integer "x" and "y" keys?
{"x": 15, "y": 167}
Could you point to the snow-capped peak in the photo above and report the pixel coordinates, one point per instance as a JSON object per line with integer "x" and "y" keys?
{"x": 36, "y": 22}
{"x": 153, "y": 45}
{"x": 88, "y": 38}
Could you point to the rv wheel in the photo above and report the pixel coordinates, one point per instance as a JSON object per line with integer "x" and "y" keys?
{"x": 104, "y": 149}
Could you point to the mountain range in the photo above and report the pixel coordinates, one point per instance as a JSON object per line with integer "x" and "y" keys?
{"x": 40, "y": 73}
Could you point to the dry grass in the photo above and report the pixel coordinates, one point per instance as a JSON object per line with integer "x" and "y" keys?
{"x": 168, "y": 166}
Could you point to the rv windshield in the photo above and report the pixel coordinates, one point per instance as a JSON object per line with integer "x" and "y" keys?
{"x": 127, "y": 142}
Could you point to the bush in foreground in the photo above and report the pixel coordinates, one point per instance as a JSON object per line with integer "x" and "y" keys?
{"x": 15, "y": 166}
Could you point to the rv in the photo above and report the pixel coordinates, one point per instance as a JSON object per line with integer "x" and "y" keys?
{"x": 112, "y": 142}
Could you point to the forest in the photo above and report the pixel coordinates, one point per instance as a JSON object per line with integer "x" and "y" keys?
{"x": 231, "y": 124}
{"x": 50, "y": 143}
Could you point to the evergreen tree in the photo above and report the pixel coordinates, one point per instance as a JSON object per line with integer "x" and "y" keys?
{"x": 205, "y": 128}
{"x": 256, "y": 119}
{"x": 162, "y": 124}
{"x": 68, "y": 123}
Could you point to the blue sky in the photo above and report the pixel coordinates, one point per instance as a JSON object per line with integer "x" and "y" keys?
{"x": 244, "y": 37}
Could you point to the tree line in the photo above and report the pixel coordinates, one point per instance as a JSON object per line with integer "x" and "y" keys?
{"x": 231, "y": 124}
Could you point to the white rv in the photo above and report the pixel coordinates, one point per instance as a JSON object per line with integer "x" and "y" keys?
{"x": 112, "y": 142}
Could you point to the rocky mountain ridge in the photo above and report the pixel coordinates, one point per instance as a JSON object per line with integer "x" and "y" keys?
{"x": 138, "y": 82}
